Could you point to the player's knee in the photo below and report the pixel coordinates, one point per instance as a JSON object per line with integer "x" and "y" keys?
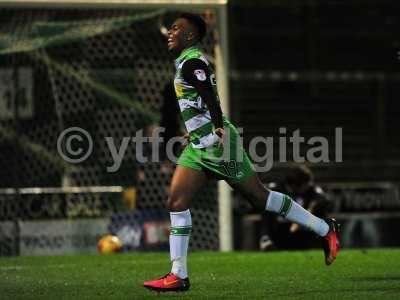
{"x": 176, "y": 203}
{"x": 258, "y": 198}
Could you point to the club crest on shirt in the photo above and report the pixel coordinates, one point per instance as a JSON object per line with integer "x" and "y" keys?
{"x": 200, "y": 74}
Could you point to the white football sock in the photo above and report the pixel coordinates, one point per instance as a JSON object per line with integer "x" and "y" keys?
{"x": 284, "y": 206}
{"x": 181, "y": 226}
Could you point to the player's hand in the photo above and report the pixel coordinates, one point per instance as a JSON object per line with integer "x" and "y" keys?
{"x": 220, "y": 132}
{"x": 186, "y": 137}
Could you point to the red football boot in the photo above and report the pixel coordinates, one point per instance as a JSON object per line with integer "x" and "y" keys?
{"x": 331, "y": 241}
{"x": 168, "y": 283}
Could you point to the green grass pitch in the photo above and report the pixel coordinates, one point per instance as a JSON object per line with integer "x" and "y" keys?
{"x": 371, "y": 274}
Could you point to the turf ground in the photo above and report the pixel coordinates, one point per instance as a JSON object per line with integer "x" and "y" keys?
{"x": 372, "y": 274}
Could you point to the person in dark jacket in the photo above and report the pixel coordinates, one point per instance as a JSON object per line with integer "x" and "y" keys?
{"x": 277, "y": 233}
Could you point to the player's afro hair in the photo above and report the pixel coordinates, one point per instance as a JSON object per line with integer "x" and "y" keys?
{"x": 196, "y": 21}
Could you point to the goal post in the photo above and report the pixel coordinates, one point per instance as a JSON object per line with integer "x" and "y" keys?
{"x": 56, "y": 71}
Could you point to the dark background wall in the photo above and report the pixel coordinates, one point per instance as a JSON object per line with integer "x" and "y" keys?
{"x": 317, "y": 65}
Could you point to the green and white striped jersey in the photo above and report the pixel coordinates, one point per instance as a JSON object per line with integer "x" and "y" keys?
{"x": 194, "y": 111}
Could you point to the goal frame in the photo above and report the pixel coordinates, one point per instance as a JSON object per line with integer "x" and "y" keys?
{"x": 225, "y": 218}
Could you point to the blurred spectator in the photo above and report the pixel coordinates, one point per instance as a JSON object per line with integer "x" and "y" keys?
{"x": 276, "y": 233}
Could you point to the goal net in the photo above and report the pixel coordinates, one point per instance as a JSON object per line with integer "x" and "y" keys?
{"x": 104, "y": 69}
